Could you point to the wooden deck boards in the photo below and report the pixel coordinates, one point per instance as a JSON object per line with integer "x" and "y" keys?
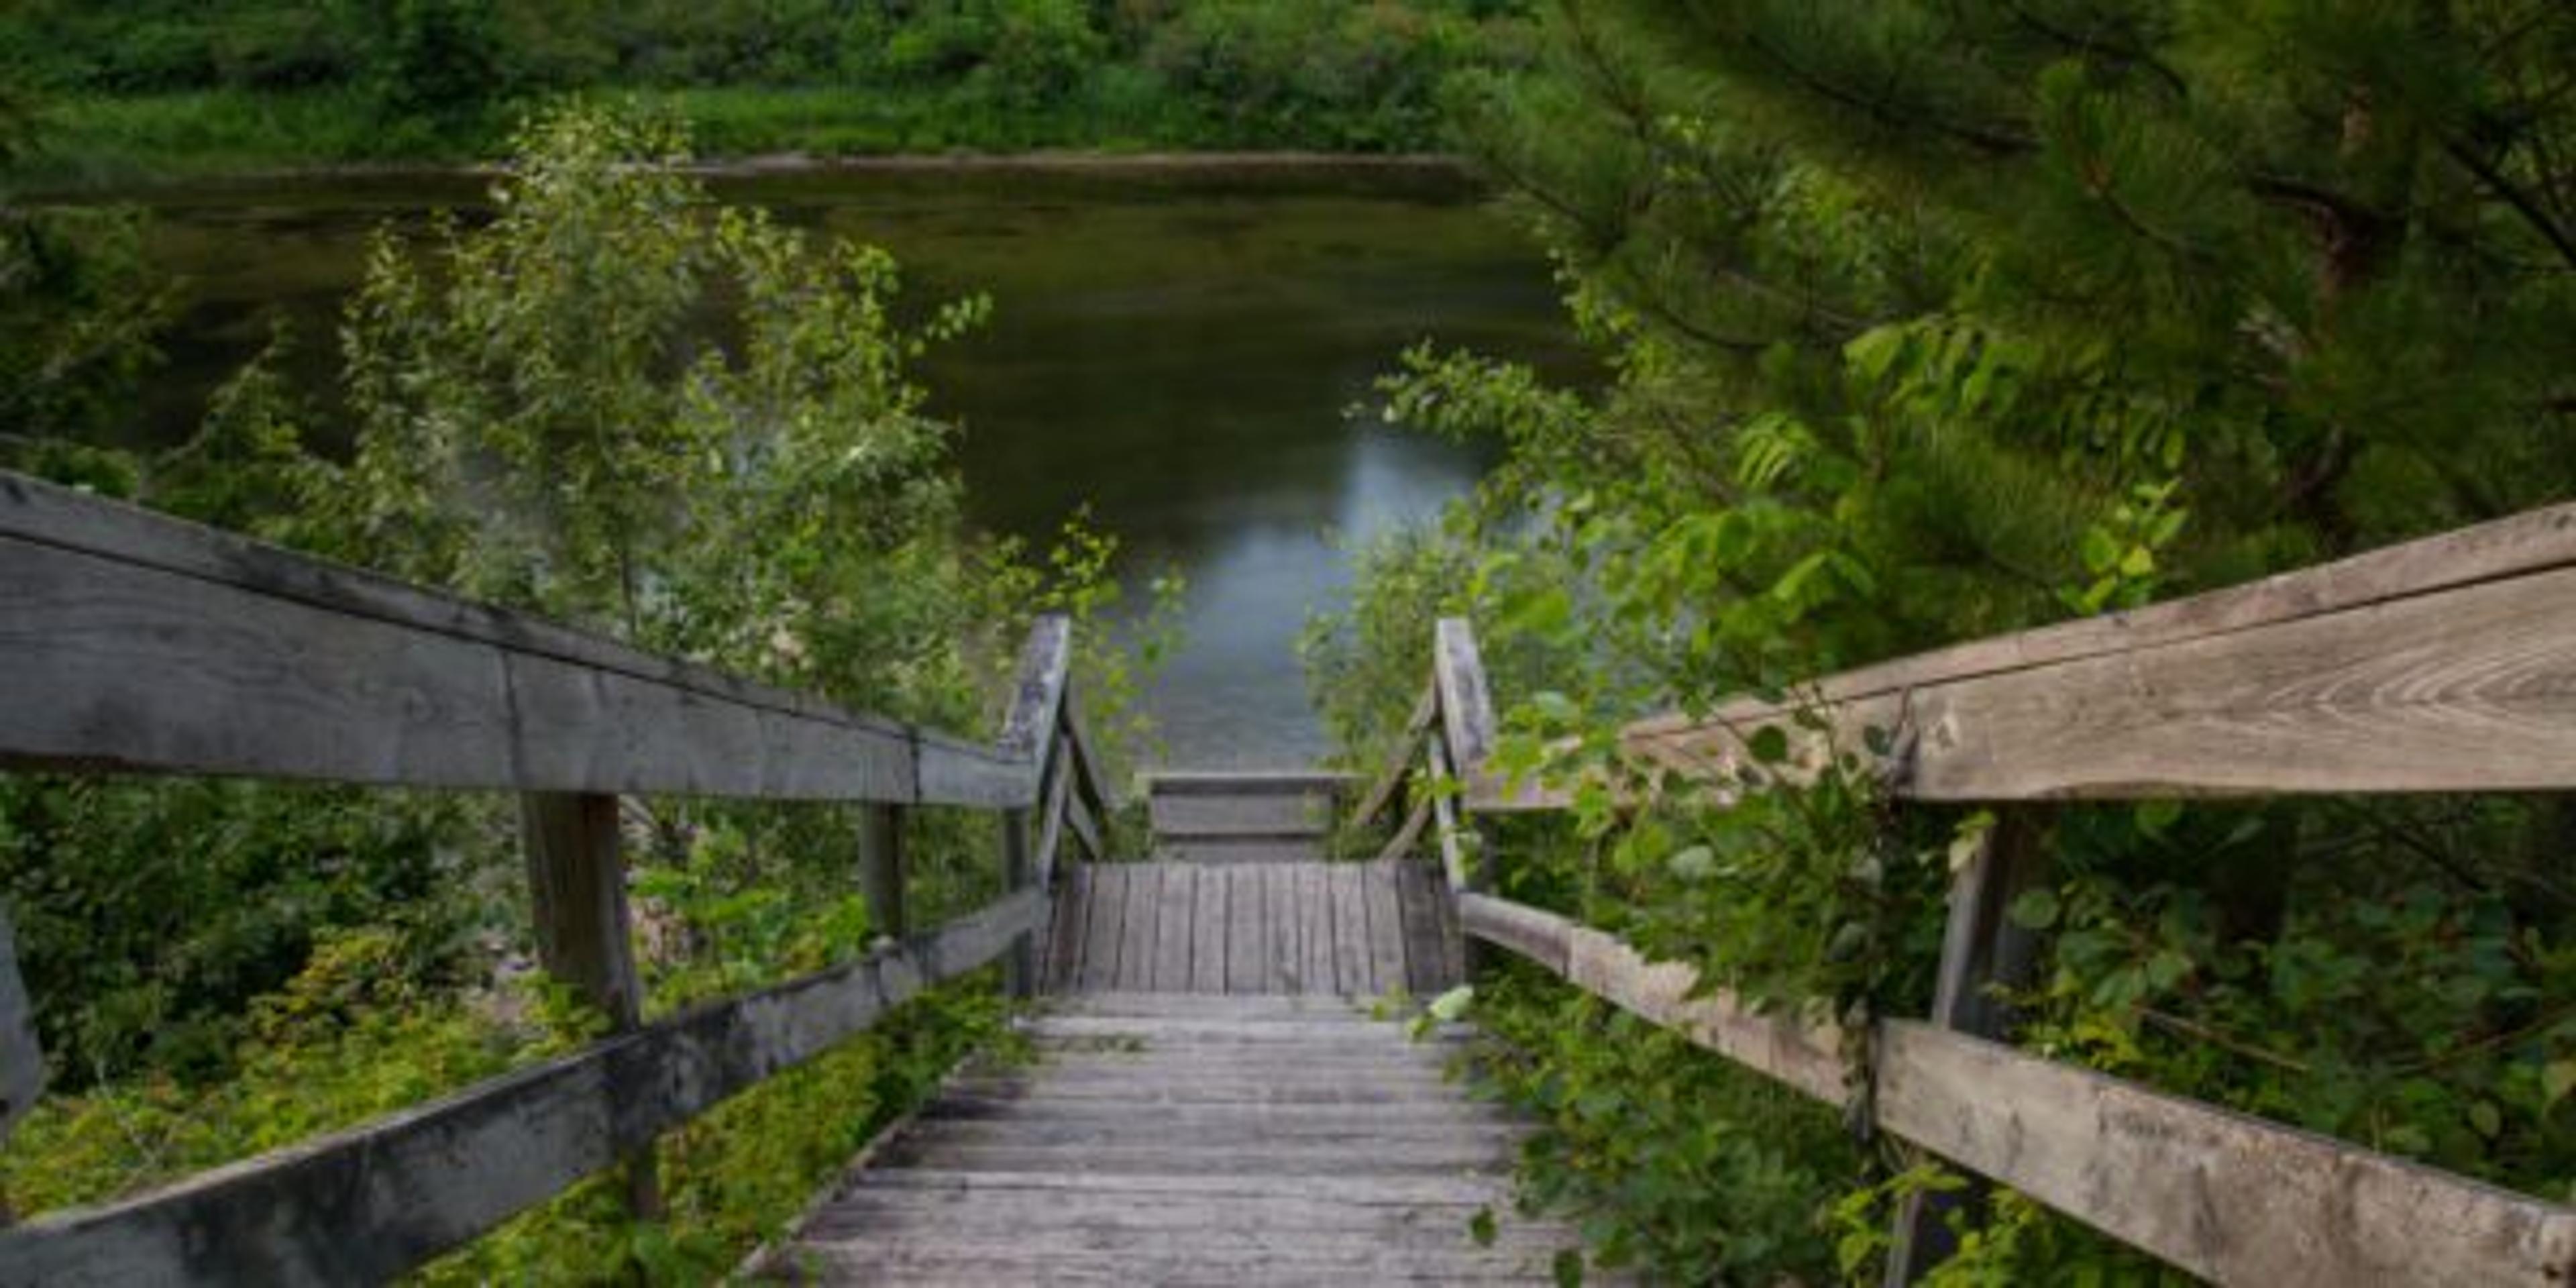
{"x": 1172, "y": 1138}
{"x": 1346, "y": 929}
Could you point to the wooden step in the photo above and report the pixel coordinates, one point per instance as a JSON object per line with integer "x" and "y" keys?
{"x": 1290, "y": 782}
{"x": 1192, "y": 1139}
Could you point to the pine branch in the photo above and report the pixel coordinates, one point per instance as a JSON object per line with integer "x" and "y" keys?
{"x": 2093, "y": 45}
{"x": 2512, "y": 195}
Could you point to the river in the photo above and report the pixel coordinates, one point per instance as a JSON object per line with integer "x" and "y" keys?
{"x": 1173, "y": 347}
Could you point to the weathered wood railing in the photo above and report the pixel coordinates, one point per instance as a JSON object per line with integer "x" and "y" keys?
{"x": 135, "y": 643}
{"x": 2445, "y": 665}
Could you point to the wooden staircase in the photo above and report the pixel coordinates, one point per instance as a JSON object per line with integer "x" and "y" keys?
{"x": 1212, "y": 1099}
{"x": 1176, "y": 1139}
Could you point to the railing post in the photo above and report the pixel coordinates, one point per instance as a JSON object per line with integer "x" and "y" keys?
{"x": 884, "y": 868}
{"x": 1019, "y": 968}
{"x": 22, "y": 1061}
{"x": 1981, "y": 951}
{"x": 577, "y": 893}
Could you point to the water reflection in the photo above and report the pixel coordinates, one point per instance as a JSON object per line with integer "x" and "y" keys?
{"x": 1174, "y": 352}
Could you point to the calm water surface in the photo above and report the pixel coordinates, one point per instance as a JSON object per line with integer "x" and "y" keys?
{"x": 1174, "y": 351}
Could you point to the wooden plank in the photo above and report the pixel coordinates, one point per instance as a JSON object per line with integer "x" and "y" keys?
{"x": 2536, "y": 541}
{"x": 1107, "y": 930}
{"x": 884, "y": 868}
{"x": 1239, "y": 851}
{"x": 1072, "y": 923}
{"x": 1020, "y": 966}
{"x": 366, "y": 1205}
{"x": 1037, "y": 695}
{"x": 1137, "y": 949}
{"x": 585, "y": 935}
{"x": 1173, "y": 929}
{"x": 1055, "y": 800}
{"x": 1426, "y": 710}
{"x": 1281, "y": 922}
{"x": 2230, "y": 1198}
{"x": 1350, "y": 932}
{"x": 1085, "y": 829}
{"x": 1315, "y": 929}
{"x": 22, "y": 1060}
{"x": 1425, "y": 973}
{"x": 1804, "y": 1054}
{"x": 1406, "y": 1190}
{"x": 861, "y": 1265}
{"x": 1456, "y": 863}
{"x": 1208, "y": 952}
{"x": 1385, "y": 926}
{"x": 1247, "y": 939}
{"x": 1093, "y": 785}
{"x": 1982, "y": 951}
{"x": 140, "y": 643}
{"x": 1205, "y": 1158}
{"x": 1542, "y": 937}
{"x": 1469, "y": 726}
{"x": 1409, "y": 833}
{"x": 1266, "y": 814}
{"x": 2468, "y": 688}
{"x": 1453, "y": 940}
{"x": 1122, "y": 1089}
{"x": 1292, "y": 782}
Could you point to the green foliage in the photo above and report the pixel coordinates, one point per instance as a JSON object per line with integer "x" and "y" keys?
{"x": 1680, "y": 1166}
{"x": 1929, "y": 321}
{"x": 158, "y": 87}
{"x": 543, "y": 421}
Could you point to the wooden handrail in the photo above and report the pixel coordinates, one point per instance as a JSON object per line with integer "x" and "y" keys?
{"x": 363, "y": 1206}
{"x": 2441, "y": 665}
{"x": 132, "y": 642}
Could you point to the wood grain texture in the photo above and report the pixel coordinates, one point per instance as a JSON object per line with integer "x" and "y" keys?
{"x": 1136, "y": 956}
{"x": 1106, "y": 932}
{"x": 1385, "y": 927}
{"x": 1174, "y": 930}
{"x": 1381, "y": 793}
{"x": 1274, "y": 1140}
{"x": 143, "y": 644}
{"x": 1247, "y": 941}
{"x": 368, "y": 1204}
{"x": 1207, "y": 931}
{"x": 1423, "y": 961}
{"x": 1350, "y": 931}
{"x": 1283, "y": 925}
{"x": 2449, "y": 666}
{"x": 1066, "y": 943}
{"x": 1543, "y": 937}
{"x": 1315, "y": 929}
{"x": 2230, "y": 1198}
{"x": 1983, "y": 954}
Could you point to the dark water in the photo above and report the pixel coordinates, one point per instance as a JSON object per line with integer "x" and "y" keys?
{"x": 1174, "y": 351}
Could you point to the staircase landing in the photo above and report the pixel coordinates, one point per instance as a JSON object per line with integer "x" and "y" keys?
{"x": 1343, "y": 929}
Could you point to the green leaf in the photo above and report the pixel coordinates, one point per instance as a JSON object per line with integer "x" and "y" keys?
{"x": 2035, "y": 910}
{"x": 2556, "y": 1080}
{"x": 1449, "y": 1006}
{"x": 2139, "y": 562}
{"x": 1480, "y": 1227}
{"x": 2099, "y": 550}
{"x": 2486, "y": 1118}
{"x": 1769, "y": 744}
{"x": 1693, "y": 864}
